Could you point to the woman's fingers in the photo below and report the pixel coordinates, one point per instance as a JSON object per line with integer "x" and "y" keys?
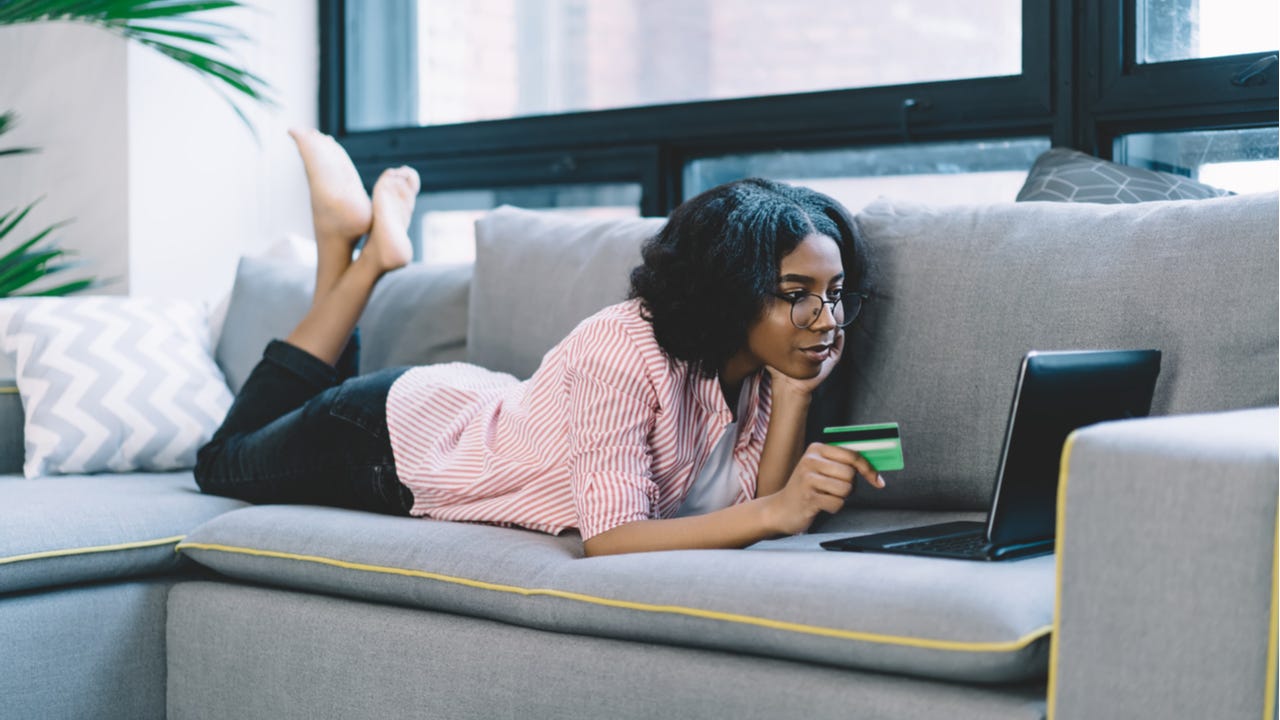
{"x": 830, "y": 503}
{"x": 834, "y": 487}
{"x": 832, "y": 468}
{"x": 821, "y": 482}
{"x": 850, "y": 458}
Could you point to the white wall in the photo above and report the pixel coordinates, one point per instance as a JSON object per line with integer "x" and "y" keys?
{"x": 201, "y": 190}
{"x": 168, "y": 186}
{"x": 68, "y": 85}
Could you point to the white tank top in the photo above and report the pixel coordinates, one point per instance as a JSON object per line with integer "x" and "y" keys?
{"x": 717, "y": 485}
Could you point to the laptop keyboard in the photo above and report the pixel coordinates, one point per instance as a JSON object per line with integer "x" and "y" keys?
{"x": 957, "y": 544}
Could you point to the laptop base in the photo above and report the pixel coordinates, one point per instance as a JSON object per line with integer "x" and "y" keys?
{"x": 960, "y": 540}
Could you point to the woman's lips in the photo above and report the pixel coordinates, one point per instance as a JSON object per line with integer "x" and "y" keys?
{"x": 816, "y": 353}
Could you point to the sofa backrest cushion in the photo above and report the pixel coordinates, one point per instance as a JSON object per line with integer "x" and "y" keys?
{"x": 268, "y": 299}
{"x": 963, "y": 293}
{"x": 416, "y": 316}
{"x": 538, "y": 274}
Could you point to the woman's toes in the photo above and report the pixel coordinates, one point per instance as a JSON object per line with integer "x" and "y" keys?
{"x": 340, "y": 207}
{"x": 410, "y": 176}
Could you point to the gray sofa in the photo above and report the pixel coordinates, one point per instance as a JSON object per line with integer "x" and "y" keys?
{"x": 1160, "y": 600}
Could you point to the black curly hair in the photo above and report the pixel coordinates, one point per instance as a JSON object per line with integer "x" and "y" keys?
{"x": 706, "y": 275}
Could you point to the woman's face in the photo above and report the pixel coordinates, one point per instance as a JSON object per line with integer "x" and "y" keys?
{"x": 774, "y": 340}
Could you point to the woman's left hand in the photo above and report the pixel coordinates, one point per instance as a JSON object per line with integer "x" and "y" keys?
{"x": 784, "y": 383}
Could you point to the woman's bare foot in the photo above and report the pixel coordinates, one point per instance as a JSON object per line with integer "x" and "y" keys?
{"x": 340, "y": 208}
{"x": 394, "y": 193}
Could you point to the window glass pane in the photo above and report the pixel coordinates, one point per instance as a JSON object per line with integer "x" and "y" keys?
{"x": 1185, "y": 29}
{"x": 489, "y": 59}
{"x": 930, "y": 173}
{"x": 443, "y": 229}
{"x": 1238, "y": 160}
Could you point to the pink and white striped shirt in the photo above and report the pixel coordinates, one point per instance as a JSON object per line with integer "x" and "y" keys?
{"x": 609, "y": 430}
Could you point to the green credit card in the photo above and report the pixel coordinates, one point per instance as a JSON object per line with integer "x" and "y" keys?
{"x": 879, "y": 443}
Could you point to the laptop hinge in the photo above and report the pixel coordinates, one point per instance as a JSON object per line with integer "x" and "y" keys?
{"x": 1021, "y": 549}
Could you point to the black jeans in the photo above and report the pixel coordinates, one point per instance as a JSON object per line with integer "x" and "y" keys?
{"x": 301, "y": 431}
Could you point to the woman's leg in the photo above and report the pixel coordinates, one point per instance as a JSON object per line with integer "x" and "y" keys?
{"x": 279, "y": 430}
{"x": 282, "y": 381}
{"x": 341, "y": 211}
{"x": 327, "y": 327}
{"x": 334, "y": 449}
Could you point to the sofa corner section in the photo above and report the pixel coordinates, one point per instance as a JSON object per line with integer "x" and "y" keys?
{"x": 1166, "y": 565}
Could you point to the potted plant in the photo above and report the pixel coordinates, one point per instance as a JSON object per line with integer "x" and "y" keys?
{"x": 177, "y": 29}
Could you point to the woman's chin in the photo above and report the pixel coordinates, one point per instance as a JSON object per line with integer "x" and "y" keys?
{"x": 802, "y": 370}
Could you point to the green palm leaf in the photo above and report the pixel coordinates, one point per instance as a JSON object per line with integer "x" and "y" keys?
{"x": 65, "y": 289}
{"x": 26, "y": 262}
{"x": 7, "y": 121}
{"x": 6, "y": 225}
{"x": 15, "y": 255}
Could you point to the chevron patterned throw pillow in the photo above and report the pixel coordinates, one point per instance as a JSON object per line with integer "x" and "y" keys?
{"x": 111, "y": 384}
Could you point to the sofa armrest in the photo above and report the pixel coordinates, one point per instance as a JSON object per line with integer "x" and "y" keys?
{"x": 1166, "y": 569}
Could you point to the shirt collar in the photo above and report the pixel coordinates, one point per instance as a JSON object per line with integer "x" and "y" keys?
{"x": 713, "y": 401}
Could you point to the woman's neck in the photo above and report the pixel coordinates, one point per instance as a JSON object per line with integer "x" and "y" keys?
{"x": 731, "y": 395}
{"x": 736, "y": 369}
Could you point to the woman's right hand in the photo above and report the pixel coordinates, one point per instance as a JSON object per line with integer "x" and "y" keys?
{"x": 820, "y": 482}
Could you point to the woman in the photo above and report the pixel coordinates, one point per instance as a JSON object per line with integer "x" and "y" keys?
{"x": 672, "y": 420}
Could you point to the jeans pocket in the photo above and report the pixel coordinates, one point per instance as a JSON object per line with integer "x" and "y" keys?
{"x": 396, "y": 498}
{"x": 365, "y": 408}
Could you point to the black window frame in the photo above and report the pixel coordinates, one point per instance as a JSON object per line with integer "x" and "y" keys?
{"x": 1122, "y": 95}
{"x": 1080, "y": 86}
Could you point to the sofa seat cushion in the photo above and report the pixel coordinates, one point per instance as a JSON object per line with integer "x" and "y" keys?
{"x": 81, "y": 528}
{"x": 944, "y": 619}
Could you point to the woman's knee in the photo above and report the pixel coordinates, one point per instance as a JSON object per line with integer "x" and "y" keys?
{"x": 208, "y": 462}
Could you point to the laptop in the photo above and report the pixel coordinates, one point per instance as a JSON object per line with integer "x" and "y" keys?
{"x": 1056, "y": 393}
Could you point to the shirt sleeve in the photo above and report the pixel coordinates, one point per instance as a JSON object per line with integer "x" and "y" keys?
{"x": 612, "y": 404}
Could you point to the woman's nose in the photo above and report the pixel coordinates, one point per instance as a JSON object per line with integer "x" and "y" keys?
{"x": 826, "y": 318}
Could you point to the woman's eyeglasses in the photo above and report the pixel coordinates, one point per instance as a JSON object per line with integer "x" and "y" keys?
{"x": 807, "y": 306}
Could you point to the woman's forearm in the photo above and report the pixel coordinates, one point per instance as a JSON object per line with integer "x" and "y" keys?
{"x": 784, "y": 441}
{"x": 733, "y": 527}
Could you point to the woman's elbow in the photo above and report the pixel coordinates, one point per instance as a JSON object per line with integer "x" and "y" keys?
{"x": 595, "y": 547}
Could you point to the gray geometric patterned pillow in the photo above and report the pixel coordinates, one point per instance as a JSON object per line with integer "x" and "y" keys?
{"x": 112, "y": 384}
{"x": 1065, "y": 175}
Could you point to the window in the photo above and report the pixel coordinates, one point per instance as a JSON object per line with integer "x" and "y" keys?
{"x": 932, "y": 173}
{"x": 1182, "y": 29}
{"x": 1237, "y": 160}
{"x": 935, "y": 100}
{"x": 437, "y": 62}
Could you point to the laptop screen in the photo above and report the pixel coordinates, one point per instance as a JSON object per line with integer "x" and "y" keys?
{"x": 1058, "y": 392}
